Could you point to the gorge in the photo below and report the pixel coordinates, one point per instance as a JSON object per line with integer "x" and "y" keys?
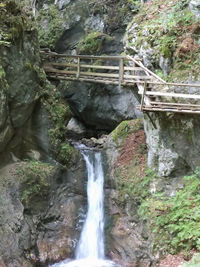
{"x": 151, "y": 186}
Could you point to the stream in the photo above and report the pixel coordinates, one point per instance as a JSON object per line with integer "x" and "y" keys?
{"x": 90, "y": 249}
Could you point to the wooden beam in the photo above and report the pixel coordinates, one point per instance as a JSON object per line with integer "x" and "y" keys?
{"x": 151, "y": 93}
{"x": 173, "y": 84}
{"x": 121, "y": 71}
{"x": 143, "y": 95}
{"x": 174, "y": 104}
{"x": 78, "y": 68}
{"x": 106, "y": 67}
{"x": 170, "y": 110}
{"x": 89, "y": 57}
{"x": 144, "y": 68}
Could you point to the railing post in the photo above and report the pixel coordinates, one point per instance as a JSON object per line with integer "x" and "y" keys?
{"x": 121, "y": 71}
{"x": 143, "y": 96}
{"x": 78, "y": 68}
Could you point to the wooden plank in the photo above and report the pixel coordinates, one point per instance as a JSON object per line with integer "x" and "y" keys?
{"x": 143, "y": 95}
{"x": 144, "y": 68}
{"x": 174, "y": 107}
{"x": 137, "y": 77}
{"x": 83, "y": 79}
{"x": 173, "y": 84}
{"x": 174, "y": 104}
{"x": 121, "y": 71}
{"x": 151, "y": 93}
{"x": 113, "y": 75}
{"x": 107, "y": 67}
{"x": 170, "y": 110}
{"x": 52, "y": 54}
{"x": 78, "y": 68}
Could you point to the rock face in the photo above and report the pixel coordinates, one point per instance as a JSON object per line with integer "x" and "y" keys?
{"x": 39, "y": 229}
{"x": 97, "y": 30}
{"x": 100, "y": 107}
{"x": 174, "y": 145}
{"x": 19, "y": 93}
{"x": 128, "y": 241}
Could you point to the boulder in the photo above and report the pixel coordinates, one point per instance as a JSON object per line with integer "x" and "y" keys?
{"x": 75, "y": 128}
{"x": 100, "y": 107}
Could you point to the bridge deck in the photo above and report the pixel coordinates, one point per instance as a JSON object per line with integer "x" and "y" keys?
{"x": 123, "y": 71}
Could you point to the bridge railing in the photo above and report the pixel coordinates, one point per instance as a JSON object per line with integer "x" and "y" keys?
{"x": 156, "y": 94}
{"x": 174, "y": 99}
{"x": 118, "y": 70}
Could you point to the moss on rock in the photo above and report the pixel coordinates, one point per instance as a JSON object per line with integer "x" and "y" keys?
{"x": 172, "y": 32}
{"x": 34, "y": 178}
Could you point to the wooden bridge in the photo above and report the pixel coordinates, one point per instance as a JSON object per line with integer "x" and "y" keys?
{"x": 156, "y": 94}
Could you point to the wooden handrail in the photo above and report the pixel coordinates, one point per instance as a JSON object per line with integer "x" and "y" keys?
{"x": 53, "y": 54}
{"x": 116, "y": 71}
{"x": 139, "y": 63}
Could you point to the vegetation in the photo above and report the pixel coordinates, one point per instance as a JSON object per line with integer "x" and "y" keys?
{"x": 124, "y": 129}
{"x": 59, "y": 115}
{"x": 171, "y": 29}
{"x": 50, "y": 34}
{"x": 13, "y": 23}
{"x": 133, "y": 182}
{"x": 93, "y": 43}
{"x": 34, "y": 178}
{"x": 175, "y": 220}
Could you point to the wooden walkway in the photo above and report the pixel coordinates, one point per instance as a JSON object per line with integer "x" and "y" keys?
{"x": 156, "y": 94}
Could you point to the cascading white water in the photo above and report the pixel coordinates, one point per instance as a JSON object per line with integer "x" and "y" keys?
{"x": 90, "y": 249}
{"x": 91, "y": 243}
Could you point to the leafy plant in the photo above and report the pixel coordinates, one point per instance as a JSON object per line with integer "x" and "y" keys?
{"x": 67, "y": 154}
{"x": 176, "y": 221}
{"x": 34, "y": 176}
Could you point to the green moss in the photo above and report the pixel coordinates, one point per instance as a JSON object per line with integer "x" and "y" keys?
{"x": 68, "y": 154}
{"x": 48, "y": 35}
{"x": 13, "y": 23}
{"x": 166, "y": 27}
{"x": 124, "y": 129}
{"x": 132, "y": 182}
{"x": 175, "y": 220}
{"x": 34, "y": 178}
{"x": 93, "y": 43}
{"x": 59, "y": 115}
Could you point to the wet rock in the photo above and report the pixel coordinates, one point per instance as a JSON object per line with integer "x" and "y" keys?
{"x": 75, "y": 128}
{"x": 102, "y": 108}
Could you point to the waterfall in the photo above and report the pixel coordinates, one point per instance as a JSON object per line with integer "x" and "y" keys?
{"x": 90, "y": 248}
{"x": 91, "y": 243}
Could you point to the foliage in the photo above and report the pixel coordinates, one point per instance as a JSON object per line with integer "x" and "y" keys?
{"x": 34, "y": 176}
{"x": 59, "y": 114}
{"x": 67, "y": 154}
{"x": 131, "y": 182}
{"x": 165, "y": 28}
{"x": 48, "y": 35}
{"x": 125, "y": 128}
{"x": 13, "y": 23}
{"x": 93, "y": 42}
{"x": 176, "y": 220}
